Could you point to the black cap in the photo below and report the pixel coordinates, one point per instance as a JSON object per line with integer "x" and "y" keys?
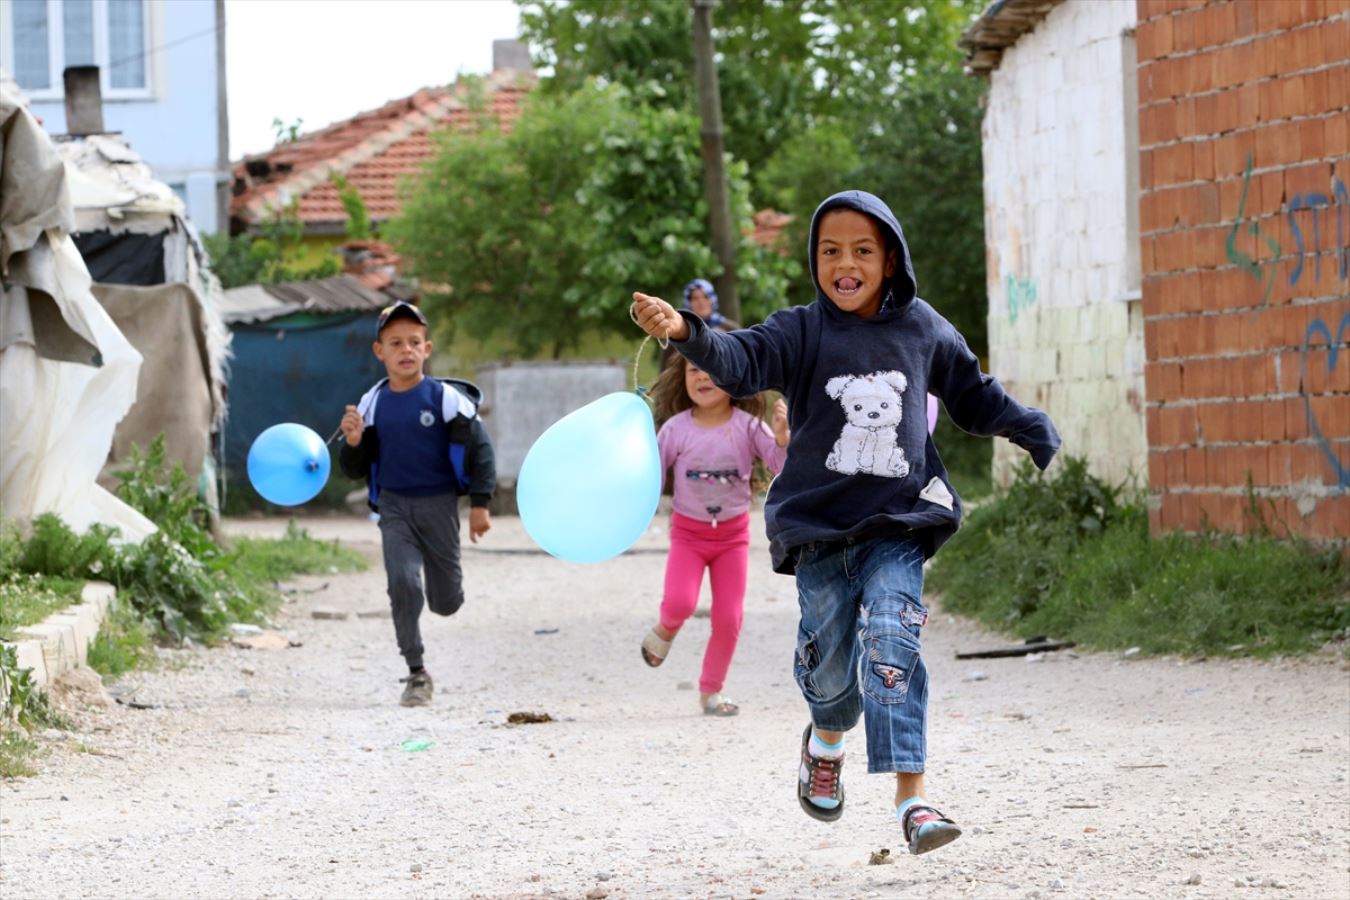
{"x": 400, "y": 310}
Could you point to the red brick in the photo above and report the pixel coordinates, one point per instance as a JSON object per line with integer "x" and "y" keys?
{"x": 1338, "y": 87}
{"x": 1162, "y": 381}
{"x": 1194, "y": 458}
{"x": 1178, "y": 425}
{"x": 1215, "y": 423}
{"x": 1296, "y": 417}
{"x": 1308, "y": 462}
{"x": 1154, "y": 38}
{"x": 1335, "y": 39}
{"x": 1244, "y": 12}
{"x": 1149, "y": 9}
{"x": 1336, "y": 134}
{"x": 1332, "y": 412}
{"x": 1310, "y": 138}
{"x": 1277, "y": 463}
{"x": 1273, "y": 420}
{"x": 1314, "y": 95}
{"x": 1330, "y": 519}
{"x": 1184, "y": 34}
{"x": 1174, "y": 465}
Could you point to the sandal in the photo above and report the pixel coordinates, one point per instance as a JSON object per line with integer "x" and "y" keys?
{"x": 927, "y": 829}
{"x": 718, "y": 705}
{"x": 819, "y": 777}
{"x": 654, "y": 649}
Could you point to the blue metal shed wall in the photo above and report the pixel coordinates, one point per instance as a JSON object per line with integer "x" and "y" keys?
{"x": 293, "y": 372}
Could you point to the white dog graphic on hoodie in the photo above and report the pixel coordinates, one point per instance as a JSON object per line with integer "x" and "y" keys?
{"x": 869, "y": 442}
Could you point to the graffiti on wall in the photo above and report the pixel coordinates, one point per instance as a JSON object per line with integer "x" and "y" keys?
{"x": 1319, "y": 328}
{"x": 1328, "y": 210}
{"x": 1021, "y": 295}
{"x": 1335, "y": 204}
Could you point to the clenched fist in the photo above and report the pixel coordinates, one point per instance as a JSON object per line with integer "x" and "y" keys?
{"x": 658, "y": 318}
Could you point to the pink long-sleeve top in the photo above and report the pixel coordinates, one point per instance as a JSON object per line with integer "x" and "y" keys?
{"x": 712, "y": 466}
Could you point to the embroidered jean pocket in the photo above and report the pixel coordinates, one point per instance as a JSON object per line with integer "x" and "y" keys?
{"x": 888, "y": 668}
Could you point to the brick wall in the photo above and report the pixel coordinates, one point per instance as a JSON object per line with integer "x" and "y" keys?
{"x": 1244, "y": 132}
{"x": 1065, "y": 326}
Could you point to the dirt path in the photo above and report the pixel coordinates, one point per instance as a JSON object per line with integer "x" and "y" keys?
{"x": 280, "y": 773}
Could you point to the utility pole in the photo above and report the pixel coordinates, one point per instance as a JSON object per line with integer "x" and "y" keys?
{"x": 714, "y": 169}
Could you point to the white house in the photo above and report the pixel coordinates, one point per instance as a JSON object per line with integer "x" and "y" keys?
{"x": 1061, "y": 199}
{"x": 162, "y": 68}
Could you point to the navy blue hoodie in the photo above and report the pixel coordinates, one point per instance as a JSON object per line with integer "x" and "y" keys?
{"x": 861, "y": 461}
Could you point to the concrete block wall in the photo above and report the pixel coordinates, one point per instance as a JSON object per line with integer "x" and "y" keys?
{"x": 61, "y": 641}
{"x": 1244, "y": 131}
{"x": 1065, "y": 326}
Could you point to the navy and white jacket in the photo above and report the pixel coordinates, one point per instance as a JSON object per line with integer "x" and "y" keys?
{"x": 861, "y": 460}
{"x": 445, "y": 447}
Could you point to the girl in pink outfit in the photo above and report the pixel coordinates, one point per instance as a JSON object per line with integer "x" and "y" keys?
{"x": 710, "y": 441}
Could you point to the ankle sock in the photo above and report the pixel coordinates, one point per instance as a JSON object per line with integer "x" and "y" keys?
{"x": 905, "y": 805}
{"x": 417, "y": 670}
{"x": 821, "y": 749}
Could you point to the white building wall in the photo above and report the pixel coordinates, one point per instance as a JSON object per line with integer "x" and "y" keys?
{"x": 1065, "y": 328}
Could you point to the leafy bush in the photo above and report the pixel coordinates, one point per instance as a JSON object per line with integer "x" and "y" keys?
{"x": 1071, "y": 556}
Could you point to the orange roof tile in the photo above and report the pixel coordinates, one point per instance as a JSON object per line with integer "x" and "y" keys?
{"x": 373, "y": 150}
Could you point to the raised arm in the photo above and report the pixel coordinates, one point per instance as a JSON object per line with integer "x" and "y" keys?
{"x": 743, "y": 362}
{"x": 977, "y": 403}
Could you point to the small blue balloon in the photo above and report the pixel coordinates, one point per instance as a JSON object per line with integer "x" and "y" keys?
{"x": 288, "y": 464}
{"x": 590, "y": 485}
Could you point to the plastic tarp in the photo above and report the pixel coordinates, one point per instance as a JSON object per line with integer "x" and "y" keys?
{"x": 174, "y": 393}
{"x": 57, "y": 417}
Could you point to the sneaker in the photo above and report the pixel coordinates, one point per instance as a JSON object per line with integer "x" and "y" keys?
{"x": 927, "y": 829}
{"x": 820, "y": 778}
{"x": 418, "y": 691}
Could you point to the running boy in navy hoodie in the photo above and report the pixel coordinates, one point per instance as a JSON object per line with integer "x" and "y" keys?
{"x": 419, "y": 444}
{"x": 864, "y": 497}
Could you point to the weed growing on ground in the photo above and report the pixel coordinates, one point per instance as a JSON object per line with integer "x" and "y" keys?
{"x": 1071, "y": 556}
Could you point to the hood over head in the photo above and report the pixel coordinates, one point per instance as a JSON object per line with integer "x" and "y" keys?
{"x": 901, "y": 288}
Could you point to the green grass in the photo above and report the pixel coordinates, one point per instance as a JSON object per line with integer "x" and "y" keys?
{"x": 125, "y": 642}
{"x": 28, "y": 599}
{"x": 1072, "y": 558}
{"x": 261, "y": 560}
{"x": 17, "y": 751}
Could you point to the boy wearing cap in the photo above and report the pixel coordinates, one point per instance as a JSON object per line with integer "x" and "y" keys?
{"x": 419, "y": 444}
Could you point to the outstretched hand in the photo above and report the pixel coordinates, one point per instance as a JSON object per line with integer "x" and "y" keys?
{"x": 658, "y": 318}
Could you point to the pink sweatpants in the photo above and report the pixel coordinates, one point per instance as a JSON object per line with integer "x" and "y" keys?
{"x": 725, "y": 552}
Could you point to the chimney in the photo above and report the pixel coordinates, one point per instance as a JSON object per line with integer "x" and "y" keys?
{"x": 510, "y": 55}
{"x": 84, "y": 101}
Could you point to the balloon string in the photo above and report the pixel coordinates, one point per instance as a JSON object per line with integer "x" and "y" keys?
{"x": 637, "y": 358}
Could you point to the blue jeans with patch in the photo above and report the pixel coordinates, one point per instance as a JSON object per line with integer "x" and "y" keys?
{"x": 858, "y": 644}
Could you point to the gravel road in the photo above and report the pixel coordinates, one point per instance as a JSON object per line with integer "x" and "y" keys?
{"x": 283, "y": 773}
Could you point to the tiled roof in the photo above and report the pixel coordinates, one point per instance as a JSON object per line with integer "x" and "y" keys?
{"x": 373, "y": 150}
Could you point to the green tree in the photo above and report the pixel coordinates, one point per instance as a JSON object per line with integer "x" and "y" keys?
{"x": 543, "y": 233}
{"x": 270, "y": 256}
{"x": 358, "y": 218}
{"x": 817, "y": 96}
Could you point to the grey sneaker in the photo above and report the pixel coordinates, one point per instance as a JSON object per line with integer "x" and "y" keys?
{"x": 418, "y": 691}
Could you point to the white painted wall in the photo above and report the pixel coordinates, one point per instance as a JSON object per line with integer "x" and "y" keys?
{"x": 1062, "y": 334}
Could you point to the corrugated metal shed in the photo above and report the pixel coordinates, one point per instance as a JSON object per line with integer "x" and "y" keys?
{"x": 261, "y": 302}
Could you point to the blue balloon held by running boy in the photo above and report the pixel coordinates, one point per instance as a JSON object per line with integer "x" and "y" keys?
{"x": 288, "y": 464}
{"x": 590, "y": 485}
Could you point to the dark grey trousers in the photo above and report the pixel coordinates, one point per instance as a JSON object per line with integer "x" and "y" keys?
{"x": 420, "y": 533}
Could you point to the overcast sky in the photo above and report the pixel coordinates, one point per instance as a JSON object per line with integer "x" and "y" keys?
{"x": 344, "y": 56}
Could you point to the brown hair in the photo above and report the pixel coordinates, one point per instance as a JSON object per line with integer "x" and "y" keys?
{"x": 671, "y": 397}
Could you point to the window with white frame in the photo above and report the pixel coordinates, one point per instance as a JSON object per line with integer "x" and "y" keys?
{"x": 46, "y": 36}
